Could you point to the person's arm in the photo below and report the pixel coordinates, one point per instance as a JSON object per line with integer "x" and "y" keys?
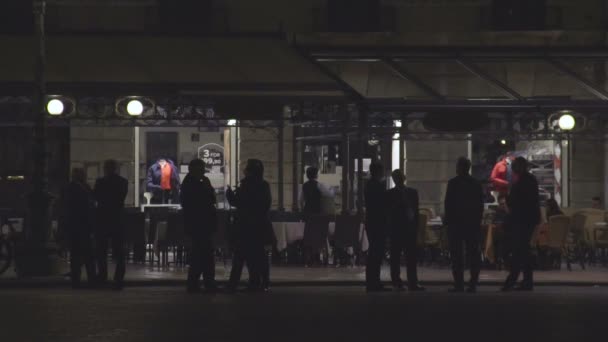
{"x": 416, "y": 207}
{"x": 267, "y": 198}
{"x": 232, "y": 197}
{"x": 448, "y": 203}
{"x": 301, "y": 200}
{"x": 481, "y": 200}
{"x": 150, "y": 185}
{"x": 496, "y": 172}
{"x": 124, "y": 190}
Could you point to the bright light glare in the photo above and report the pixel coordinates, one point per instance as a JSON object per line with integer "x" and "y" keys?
{"x": 135, "y": 107}
{"x": 503, "y": 142}
{"x": 231, "y": 122}
{"x": 55, "y": 107}
{"x": 566, "y": 122}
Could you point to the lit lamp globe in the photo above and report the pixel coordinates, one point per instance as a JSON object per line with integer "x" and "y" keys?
{"x": 135, "y": 108}
{"x": 55, "y": 107}
{"x": 566, "y": 122}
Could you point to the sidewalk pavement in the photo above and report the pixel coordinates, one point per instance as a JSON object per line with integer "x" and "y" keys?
{"x": 146, "y": 275}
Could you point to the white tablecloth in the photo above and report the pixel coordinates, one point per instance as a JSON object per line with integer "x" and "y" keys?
{"x": 289, "y": 232}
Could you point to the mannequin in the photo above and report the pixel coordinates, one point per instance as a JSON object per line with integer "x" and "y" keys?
{"x": 163, "y": 181}
{"x": 502, "y": 178}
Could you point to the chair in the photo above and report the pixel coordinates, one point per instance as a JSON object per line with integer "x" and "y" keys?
{"x": 576, "y": 248}
{"x": 175, "y": 238}
{"x": 222, "y": 238}
{"x": 135, "y": 234}
{"x": 559, "y": 227}
{"x": 347, "y": 234}
{"x": 316, "y": 231}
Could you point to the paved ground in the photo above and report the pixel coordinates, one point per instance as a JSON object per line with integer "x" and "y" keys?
{"x": 304, "y": 314}
{"x": 154, "y": 275}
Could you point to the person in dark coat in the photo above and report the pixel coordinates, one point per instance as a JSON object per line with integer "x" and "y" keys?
{"x": 375, "y": 226}
{"x": 254, "y": 234}
{"x": 78, "y": 202}
{"x": 162, "y": 181}
{"x": 524, "y": 215}
{"x": 463, "y": 215}
{"x": 110, "y": 193}
{"x": 200, "y": 223}
{"x": 402, "y": 210}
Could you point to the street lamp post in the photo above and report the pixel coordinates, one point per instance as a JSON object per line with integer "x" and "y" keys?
{"x": 37, "y": 257}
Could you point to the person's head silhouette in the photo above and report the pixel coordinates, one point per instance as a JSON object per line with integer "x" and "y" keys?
{"x": 519, "y": 166}
{"x": 312, "y": 173}
{"x": 376, "y": 170}
{"x": 110, "y": 167}
{"x": 398, "y": 178}
{"x": 254, "y": 169}
{"x": 197, "y": 168}
{"x": 463, "y": 166}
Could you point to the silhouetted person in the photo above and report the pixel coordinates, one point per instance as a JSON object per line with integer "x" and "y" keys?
{"x": 402, "y": 204}
{"x": 313, "y": 193}
{"x": 200, "y": 223}
{"x": 524, "y": 215}
{"x": 110, "y": 193}
{"x": 375, "y": 225}
{"x": 463, "y": 215}
{"x": 77, "y": 199}
{"x": 254, "y": 234}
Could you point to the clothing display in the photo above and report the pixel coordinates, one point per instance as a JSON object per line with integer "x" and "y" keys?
{"x": 501, "y": 176}
{"x": 163, "y": 181}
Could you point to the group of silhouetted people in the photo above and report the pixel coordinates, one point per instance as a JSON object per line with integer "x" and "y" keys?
{"x": 393, "y": 214}
{"x": 93, "y": 220}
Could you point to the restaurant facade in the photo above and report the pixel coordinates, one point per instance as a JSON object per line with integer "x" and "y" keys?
{"x": 294, "y": 97}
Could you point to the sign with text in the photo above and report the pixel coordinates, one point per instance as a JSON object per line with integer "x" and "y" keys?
{"x": 212, "y": 155}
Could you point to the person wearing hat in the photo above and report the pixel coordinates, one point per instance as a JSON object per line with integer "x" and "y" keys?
{"x": 200, "y": 223}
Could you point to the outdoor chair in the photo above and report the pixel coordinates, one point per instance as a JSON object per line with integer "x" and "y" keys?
{"x": 576, "y": 247}
{"x": 175, "y": 240}
{"x": 135, "y": 234}
{"x": 347, "y": 234}
{"x": 315, "y": 237}
{"x": 555, "y": 247}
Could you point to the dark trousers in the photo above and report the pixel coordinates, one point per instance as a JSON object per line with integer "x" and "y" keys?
{"x": 375, "y": 255}
{"x": 202, "y": 262}
{"x": 81, "y": 254}
{"x": 521, "y": 257}
{"x": 401, "y": 243}
{"x": 257, "y": 264}
{"x": 465, "y": 238}
{"x": 116, "y": 238}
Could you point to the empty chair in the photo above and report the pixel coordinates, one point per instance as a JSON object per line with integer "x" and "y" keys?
{"x": 576, "y": 246}
{"x": 559, "y": 227}
{"x": 316, "y": 230}
{"x": 135, "y": 234}
{"x": 347, "y": 233}
{"x": 175, "y": 239}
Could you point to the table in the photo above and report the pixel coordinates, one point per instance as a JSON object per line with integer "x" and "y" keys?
{"x": 289, "y": 232}
{"x": 174, "y": 206}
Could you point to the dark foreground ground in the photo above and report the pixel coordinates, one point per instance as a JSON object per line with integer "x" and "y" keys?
{"x": 304, "y": 314}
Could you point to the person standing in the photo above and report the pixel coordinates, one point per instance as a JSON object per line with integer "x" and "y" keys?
{"x": 524, "y": 215}
{"x": 402, "y": 204}
{"x": 77, "y": 199}
{"x": 463, "y": 215}
{"x": 313, "y": 192}
{"x": 255, "y": 236}
{"x": 200, "y": 223}
{"x": 375, "y": 226}
{"x": 110, "y": 193}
